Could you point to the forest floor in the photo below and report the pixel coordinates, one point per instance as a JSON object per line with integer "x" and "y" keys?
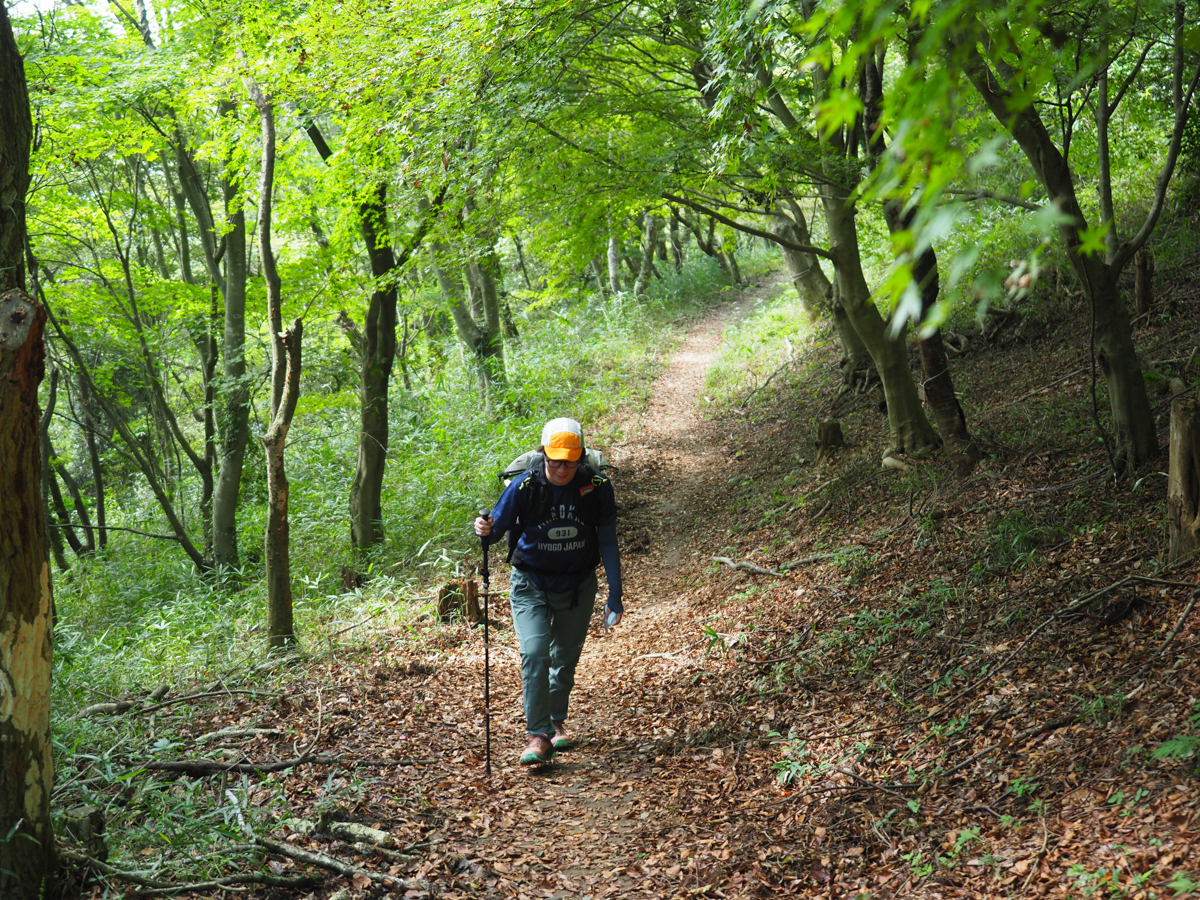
{"x": 946, "y": 689}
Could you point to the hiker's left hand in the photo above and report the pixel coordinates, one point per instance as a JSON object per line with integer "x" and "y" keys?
{"x": 483, "y": 527}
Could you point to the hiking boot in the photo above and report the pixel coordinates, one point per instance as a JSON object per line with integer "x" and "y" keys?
{"x": 540, "y": 750}
{"x": 561, "y": 740}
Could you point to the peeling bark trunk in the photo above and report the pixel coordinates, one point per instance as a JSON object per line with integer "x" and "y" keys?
{"x": 27, "y": 856}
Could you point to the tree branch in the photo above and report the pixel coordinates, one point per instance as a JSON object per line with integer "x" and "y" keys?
{"x": 748, "y": 229}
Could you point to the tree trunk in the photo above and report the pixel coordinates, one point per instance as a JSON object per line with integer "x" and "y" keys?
{"x": 598, "y": 266}
{"x": 234, "y": 390}
{"x": 1143, "y": 281}
{"x": 909, "y": 429}
{"x": 614, "y": 264}
{"x": 1136, "y": 440}
{"x": 804, "y": 272}
{"x": 27, "y": 857}
{"x": 521, "y": 260}
{"x": 285, "y": 391}
{"x": 377, "y": 354}
{"x": 935, "y": 365}
{"x": 378, "y": 359}
{"x": 676, "y": 242}
{"x": 1135, "y": 437}
{"x": 939, "y": 385}
{"x": 88, "y": 419}
{"x": 53, "y": 534}
{"x": 1183, "y": 483}
{"x": 650, "y": 243}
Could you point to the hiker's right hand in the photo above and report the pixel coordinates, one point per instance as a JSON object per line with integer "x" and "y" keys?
{"x": 483, "y": 526}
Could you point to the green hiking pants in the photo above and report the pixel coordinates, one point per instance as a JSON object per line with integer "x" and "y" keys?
{"x": 551, "y": 629}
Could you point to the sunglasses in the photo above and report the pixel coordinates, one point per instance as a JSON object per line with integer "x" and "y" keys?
{"x": 562, "y": 464}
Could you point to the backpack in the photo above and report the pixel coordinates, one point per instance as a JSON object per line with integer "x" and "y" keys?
{"x": 535, "y": 504}
{"x": 526, "y": 462}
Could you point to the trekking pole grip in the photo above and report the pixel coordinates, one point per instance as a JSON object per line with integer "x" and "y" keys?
{"x": 484, "y": 513}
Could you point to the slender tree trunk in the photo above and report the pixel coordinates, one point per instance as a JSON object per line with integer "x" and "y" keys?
{"x": 285, "y": 391}
{"x": 55, "y": 535}
{"x": 88, "y": 419}
{"x": 614, "y": 263}
{"x": 521, "y": 260}
{"x": 598, "y": 270}
{"x": 650, "y": 243}
{"x": 233, "y": 390}
{"x": 816, "y": 292}
{"x": 487, "y": 276}
{"x": 206, "y": 346}
{"x": 676, "y": 242}
{"x": 27, "y": 856}
{"x": 909, "y": 428}
{"x": 378, "y": 360}
{"x": 1136, "y": 439}
{"x": 377, "y": 354}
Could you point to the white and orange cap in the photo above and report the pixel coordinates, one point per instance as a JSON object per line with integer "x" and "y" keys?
{"x": 563, "y": 439}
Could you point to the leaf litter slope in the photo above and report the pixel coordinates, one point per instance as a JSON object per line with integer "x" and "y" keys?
{"x": 960, "y": 725}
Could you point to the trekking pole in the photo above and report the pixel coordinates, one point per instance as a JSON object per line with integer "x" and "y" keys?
{"x": 487, "y": 686}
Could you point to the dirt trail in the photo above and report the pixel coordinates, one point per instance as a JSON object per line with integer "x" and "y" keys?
{"x": 585, "y": 826}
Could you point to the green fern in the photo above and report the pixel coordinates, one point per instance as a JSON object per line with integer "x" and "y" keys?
{"x": 1179, "y": 747}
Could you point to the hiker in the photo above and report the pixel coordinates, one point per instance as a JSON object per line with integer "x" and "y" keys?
{"x": 563, "y": 516}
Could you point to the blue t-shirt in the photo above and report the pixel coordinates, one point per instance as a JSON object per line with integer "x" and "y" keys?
{"x": 561, "y": 550}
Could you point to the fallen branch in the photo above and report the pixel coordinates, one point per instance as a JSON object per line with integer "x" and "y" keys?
{"x": 342, "y": 868}
{"x": 206, "y": 767}
{"x": 155, "y": 887}
{"x": 816, "y": 557}
{"x": 743, "y": 564}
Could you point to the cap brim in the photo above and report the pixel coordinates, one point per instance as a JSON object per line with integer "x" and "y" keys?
{"x": 568, "y": 453}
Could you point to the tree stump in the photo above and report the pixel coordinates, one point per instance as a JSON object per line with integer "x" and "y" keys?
{"x": 460, "y": 596}
{"x": 84, "y": 825}
{"x": 1183, "y": 485}
{"x": 1143, "y": 281}
{"x": 829, "y": 438}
